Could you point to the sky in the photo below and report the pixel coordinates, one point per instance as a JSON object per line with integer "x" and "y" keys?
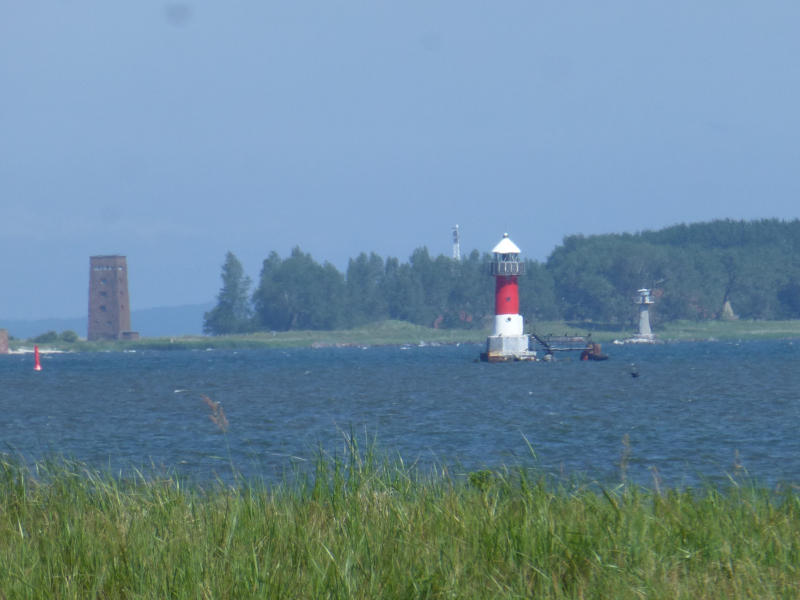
{"x": 174, "y": 132}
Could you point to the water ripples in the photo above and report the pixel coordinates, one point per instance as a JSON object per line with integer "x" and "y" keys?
{"x": 698, "y": 411}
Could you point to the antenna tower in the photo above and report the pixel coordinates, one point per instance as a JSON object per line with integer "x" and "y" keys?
{"x": 456, "y": 243}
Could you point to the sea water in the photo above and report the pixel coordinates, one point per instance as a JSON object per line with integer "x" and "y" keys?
{"x": 694, "y": 412}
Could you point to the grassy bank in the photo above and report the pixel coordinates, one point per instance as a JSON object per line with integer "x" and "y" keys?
{"x": 382, "y": 333}
{"x": 399, "y": 332}
{"x": 729, "y": 330}
{"x": 677, "y": 331}
{"x": 368, "y": 528}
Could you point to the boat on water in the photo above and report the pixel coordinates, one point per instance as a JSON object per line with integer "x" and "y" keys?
{"x": 593, "y": 351}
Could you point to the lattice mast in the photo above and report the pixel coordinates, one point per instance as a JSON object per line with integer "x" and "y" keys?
{"x": 456, "y": 243}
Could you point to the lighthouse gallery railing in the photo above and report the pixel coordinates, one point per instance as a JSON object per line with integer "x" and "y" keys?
{"x": 508, "y": 267}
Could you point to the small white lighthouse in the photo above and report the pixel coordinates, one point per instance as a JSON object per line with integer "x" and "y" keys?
{"x": 644, "y": 335}
{"x": 507, "y": 342}
{"x": 644, "y": 300}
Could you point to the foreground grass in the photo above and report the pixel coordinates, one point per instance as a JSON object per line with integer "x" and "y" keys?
{"x": 364, "y": 528}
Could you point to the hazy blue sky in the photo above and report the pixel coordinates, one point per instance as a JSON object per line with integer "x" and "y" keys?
{"x": 172, "y": 132}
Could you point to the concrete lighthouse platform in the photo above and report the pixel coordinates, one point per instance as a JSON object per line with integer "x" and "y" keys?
{"x": 507, "y": 342}
{"x": 508, "y": 349}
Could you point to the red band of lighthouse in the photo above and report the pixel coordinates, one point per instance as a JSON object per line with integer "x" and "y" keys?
{"x": 506, "y": 296}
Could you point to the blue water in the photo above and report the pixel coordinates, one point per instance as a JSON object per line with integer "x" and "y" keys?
{"x": 697, "y": 412}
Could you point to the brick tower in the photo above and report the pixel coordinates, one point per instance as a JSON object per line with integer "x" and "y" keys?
{"x": 109, "y": 308}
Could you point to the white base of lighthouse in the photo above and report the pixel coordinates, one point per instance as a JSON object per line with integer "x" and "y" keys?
{"x": 507, "y": 341}
{"x": 644, "y": 335}
{"x": 644, "y": 323}
{"x": 508, "y": 325}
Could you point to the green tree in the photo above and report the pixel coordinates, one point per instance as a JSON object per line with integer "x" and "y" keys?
{"x": 789, "y": 298}
{"x": 233, "y": 313}
{"x": 366, "y": 296}
{"x": 537, "y": 293}
{"x": 405, "y": 297}
{"x": 270, "y": 301}
{"x": 433, "y": 277}
{"x": 46, "y": 338}
{"x": 470, "y": 299}
{"x": 69, "y": 336}
{"x": 299, "y": 293}
{"x": 698, "y": 268}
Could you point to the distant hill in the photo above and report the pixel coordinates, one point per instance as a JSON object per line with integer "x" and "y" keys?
{"x": 149, "y": 322}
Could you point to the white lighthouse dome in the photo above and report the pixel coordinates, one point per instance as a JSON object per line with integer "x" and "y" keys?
{"x": 506, "y": 246}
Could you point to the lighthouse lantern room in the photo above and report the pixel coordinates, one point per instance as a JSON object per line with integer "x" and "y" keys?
{"x": 507, "y": 342}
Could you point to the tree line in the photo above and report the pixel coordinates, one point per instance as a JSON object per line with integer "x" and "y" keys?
{"x": 694, "y": 270}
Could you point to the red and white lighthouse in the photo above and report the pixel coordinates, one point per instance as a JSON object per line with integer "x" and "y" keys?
{"x": 507, "y": 342}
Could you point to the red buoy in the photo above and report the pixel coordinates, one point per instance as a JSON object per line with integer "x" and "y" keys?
{"x": 37, "y": 366}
